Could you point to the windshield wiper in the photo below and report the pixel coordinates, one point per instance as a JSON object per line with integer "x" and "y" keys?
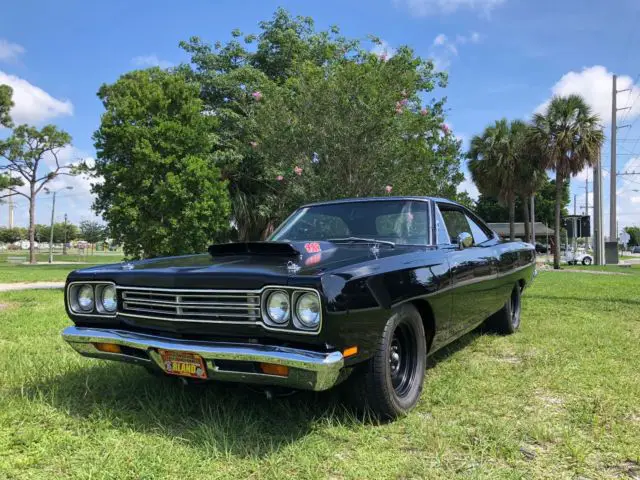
{"x": 361, "y": 240}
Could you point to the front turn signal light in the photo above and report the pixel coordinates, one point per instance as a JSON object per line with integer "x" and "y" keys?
{"x": 274, "y": 369}
{"x": 108, "y": 347}
{"x": 350, "y": 352}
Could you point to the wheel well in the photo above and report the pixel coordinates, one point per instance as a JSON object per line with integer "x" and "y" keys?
{"x": 428, "y": 320}
{"x": 521, "y": 283}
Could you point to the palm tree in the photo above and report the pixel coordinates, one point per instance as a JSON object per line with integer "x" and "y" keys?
{"x": 493, "y": 162}
{"x": 569, "y": 137}
{"x": 530, "y": 176}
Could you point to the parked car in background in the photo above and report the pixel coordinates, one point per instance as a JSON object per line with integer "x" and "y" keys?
{"x": 635, "y": 249}
{"x": 358, "y": 291}
{"x": 576, "y": 257}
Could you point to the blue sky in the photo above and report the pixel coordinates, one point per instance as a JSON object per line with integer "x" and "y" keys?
{"x": 505, "y": 59}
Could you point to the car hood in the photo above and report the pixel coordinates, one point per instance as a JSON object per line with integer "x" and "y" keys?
{"x": 242, "y": 266}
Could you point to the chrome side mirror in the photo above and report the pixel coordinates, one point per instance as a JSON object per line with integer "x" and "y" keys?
{"x": 465, "y": 240}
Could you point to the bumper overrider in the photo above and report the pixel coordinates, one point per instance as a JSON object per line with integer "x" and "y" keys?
{"x": 234, "y": 362}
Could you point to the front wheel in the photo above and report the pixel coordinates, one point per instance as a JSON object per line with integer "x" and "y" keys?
{"x": 390, "y": 383}
{"x": 587, "y": 261}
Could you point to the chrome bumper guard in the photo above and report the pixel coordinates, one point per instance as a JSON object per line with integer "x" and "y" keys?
{"x": 308, "y": 370}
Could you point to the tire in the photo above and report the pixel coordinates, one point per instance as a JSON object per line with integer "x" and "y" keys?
{"x": 390, "y": 383}
{"x": 587, "y": 261}
{"x": 507, "y": 320}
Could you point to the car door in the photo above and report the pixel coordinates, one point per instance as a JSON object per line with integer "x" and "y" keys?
{"x": 473, "y": 269}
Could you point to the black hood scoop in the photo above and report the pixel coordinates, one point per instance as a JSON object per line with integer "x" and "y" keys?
{"x": 280, "y": 249}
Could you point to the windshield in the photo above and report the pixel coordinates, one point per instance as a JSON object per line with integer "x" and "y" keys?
{"x": 397, "y": 221}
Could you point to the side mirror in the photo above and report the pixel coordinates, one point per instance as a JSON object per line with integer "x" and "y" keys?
{"x": 465, "y": 240}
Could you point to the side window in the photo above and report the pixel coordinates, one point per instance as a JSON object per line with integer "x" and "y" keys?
{"x": 477, "y": 232}
{"x": 456, "y": 223}
{"x": 441, "y": 229}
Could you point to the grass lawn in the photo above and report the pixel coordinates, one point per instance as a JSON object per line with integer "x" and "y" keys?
{"x": 36, "y": 273}
{"x": 560, "y": 399}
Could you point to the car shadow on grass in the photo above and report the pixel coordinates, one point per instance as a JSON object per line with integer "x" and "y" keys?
{"x": 215, "y": 417}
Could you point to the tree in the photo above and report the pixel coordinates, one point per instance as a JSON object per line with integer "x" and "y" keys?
{"x": 11, "y": 235}
{"x": 494, "y": 159}
{"x": 310, "y": 115}
{"x": 569, "y": 137}
{"x": 24, "y": 153}
{"x": 92, "y": 232}
{"x": 634, "y": 235}
{"x": 6, "y": 103}
{"x": 162, "y": 193}
{"x": 61, "y": 232}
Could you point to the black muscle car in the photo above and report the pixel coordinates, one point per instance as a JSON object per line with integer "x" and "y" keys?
{"x": 357, "y": 291}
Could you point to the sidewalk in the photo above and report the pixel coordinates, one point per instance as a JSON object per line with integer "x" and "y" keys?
{"x": 9, "y": 287}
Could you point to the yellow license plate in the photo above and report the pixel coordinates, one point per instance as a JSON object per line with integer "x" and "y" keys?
{"x": 183, "y": 364}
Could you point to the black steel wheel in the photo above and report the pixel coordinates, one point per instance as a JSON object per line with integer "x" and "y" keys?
{"x": 390, "y": 383}
{"x": 507, "y": 320}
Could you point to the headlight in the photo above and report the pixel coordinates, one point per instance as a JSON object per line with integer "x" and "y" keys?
{"x": 308, "y": 310}
{"x": 109, "y": 299}
{"x": 85, "y": 298}
{"x": 278, "y": 307}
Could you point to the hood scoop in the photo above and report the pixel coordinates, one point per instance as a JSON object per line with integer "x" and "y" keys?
{"x": 279, "y": 249}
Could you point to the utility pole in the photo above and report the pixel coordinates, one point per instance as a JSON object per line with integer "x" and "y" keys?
{"x": 53, "y": 209}
{"x": 598, "y": 210}
{"x": 614, "y": 139}
{"x": 613, "y": 232}
{"x": 64, "y": 245}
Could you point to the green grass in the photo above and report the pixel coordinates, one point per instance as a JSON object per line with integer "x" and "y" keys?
{"x": 557, "y": 400}
{"x": 36, "y": 273}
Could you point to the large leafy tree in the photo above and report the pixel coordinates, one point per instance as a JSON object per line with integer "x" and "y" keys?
{"x": 308, "y": 114}
{"x": 24, "y": 153}
{"x": 569, "y": 137}
{"x": 634, "y": 235}
{"x": 495, "y": 157}
{"x": 160, "y": 190}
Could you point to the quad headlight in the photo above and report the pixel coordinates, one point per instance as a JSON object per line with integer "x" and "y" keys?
{"x": 308, "y": 310}
{"x": 108, "y": 298}
{"x": 85, "y": 298}
{"x": 278, "y": 307}
{"x": 95, "y": 298}
{"x": 291, "y": 309}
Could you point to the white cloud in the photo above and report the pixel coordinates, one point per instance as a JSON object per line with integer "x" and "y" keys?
{"x": 9, "y": 52}
{"x": 468, "y": 186}
{"x": 32, "y": 104}
{"x": 444, "y": 49}
{"x": 423, "y": 8}
{"x": 150, "y": 61}
{"x": 594, "y": 84}
{"x": 383, "y": 49}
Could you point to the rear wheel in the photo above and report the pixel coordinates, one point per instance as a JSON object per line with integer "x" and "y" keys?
{"x": 587, "y": 261}
{"x": 507, "y": 320}
{"x": 390, "y": 383}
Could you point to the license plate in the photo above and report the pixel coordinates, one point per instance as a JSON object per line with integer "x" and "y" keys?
{"x": 183, "y": 364}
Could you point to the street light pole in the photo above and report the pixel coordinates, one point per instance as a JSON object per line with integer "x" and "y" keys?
{"x": 53, "y": 210}
{"x": 64, "y": 245}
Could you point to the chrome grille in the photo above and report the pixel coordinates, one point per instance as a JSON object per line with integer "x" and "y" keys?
{"x": 206, "y": 306}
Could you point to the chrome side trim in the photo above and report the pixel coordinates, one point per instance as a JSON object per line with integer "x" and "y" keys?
{"x": 309, "y": 370}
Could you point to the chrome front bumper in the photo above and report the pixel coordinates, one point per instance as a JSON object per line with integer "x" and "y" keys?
{"x": 308, "y": 370}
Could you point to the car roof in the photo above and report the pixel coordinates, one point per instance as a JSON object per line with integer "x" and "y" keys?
{"x": 379, "y": 199}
